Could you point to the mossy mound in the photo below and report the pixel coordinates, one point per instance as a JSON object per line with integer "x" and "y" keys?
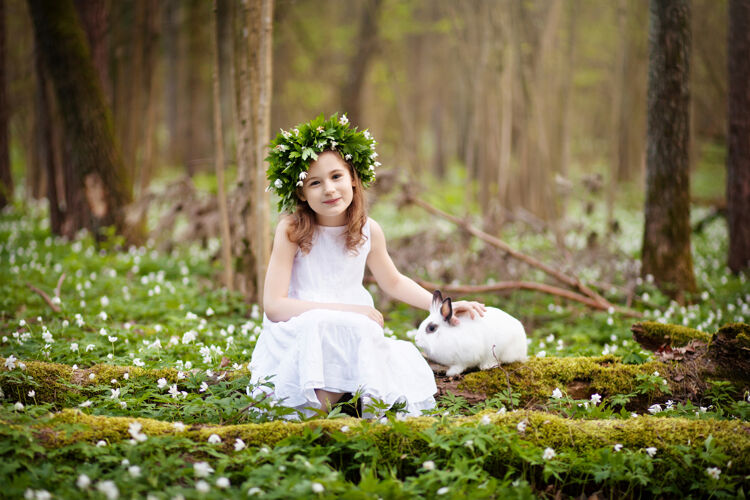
{"x": 59, "y": 383}
{"x": 652, "y": 335}
{"x": 396, "y": 438}
{"x": 580, "y": 377}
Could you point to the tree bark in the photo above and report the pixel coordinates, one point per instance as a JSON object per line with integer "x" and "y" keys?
{"x": 226, "y": 237}
{"x": 97, "y": 168}
{"x": 262, "y": 138}
{"x": 360, "y": 60}
{"x": 666, "y": 235}
{"x": 6, "y": 178}
{"x": 738, "y": 157}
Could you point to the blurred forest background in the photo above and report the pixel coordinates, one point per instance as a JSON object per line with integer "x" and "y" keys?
{"x": 524, "y": 104}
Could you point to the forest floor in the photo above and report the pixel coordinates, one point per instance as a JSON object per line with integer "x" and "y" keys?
{"x": 130, "y": 378}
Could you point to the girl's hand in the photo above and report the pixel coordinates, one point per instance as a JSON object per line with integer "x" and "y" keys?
{"x": 371, "y": 313}
{"x": 467, "y": 307}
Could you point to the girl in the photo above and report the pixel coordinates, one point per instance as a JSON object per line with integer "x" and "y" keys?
{"x": 321, "y": 335}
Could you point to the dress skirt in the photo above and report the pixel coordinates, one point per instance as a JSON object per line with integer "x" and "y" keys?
{"x": 340, "y": 352}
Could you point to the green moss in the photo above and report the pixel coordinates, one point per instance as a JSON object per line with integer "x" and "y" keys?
{"x": 57, "y": 383}
{"x": 536, "y": 378}
{"x": 738, "y": 331}
{"x": 395, "y": 440}
{"x": 672, "y": 335}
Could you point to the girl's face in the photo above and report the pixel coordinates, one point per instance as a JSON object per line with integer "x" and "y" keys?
{"x": 328, "y": 189}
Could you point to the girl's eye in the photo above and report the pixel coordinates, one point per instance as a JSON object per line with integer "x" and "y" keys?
{"x": 313, "y": 183}
{"x": 336, "y": 176}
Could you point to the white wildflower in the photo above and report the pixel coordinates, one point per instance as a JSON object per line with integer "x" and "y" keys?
{"x": 202, "y": 486}
{"x": 161, "y": 383}
{"x": 85, "y": 404}
{"x": 134, "y": 471}
{"x": 317, "y": 488}
{"x": 651, "y": 451}
{"x": 222, "y": 482}
{"x": 202, "y": 469}
{"x": 443, "y": 490}
{"x": 214, "y": 439}
{"x": 617, "y": 447}
{"x": 239, "y": 444}
{"x": 74, "y": 347}
{"x": 115, "y": 393}
{"x": 485, "y": 420}
{"x": 178, "y": 426}
{"x": 521, "y": 427}
{"x": 255, "y": 491}
{"x": 557, "y": 393}
{"x": 209, "y": 312}
{"x": 428, "y": 465}
{"x": 83, "y": 481}
{"x": 10, "y": 362}
{"x": 18, "y": 406}
{"x": 109, "y": 489}
{"x": 101, "y": 443}
{"x": 653, "y": 409}
{"x": 713, "y": 472}
{"x": 596, "y": 399}
{"x": 548, "y": 454}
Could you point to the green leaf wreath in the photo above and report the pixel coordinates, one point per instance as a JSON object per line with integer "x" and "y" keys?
{"x": 293, "y": 151}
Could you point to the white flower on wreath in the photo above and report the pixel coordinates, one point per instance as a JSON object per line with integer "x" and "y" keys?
{"x": 300, "y": 183}
{"x": 344, "y": 120}
{"x": 278, "y": 184}
{"x": 302, "y": 176}
{"x": 348, "y": 157}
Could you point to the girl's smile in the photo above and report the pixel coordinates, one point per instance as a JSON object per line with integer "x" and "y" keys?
{"x": 328, "y": 189}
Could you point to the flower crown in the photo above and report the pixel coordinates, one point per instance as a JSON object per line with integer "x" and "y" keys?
{"x": 292, "y": 152}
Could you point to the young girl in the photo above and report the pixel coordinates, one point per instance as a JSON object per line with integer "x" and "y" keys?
{"x": 321, "y": 335}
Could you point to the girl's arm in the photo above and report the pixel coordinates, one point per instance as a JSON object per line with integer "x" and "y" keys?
{"x": 276, "y": 304}
{"x": 401, "y": 287}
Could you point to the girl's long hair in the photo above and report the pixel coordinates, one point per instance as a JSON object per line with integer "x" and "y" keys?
{"x": 303, "y": 223}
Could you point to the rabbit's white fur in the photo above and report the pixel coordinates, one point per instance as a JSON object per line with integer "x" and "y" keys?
{"x": 483, "y": 341}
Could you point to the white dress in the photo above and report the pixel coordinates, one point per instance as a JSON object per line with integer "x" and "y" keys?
{"x": 335, "y": 350}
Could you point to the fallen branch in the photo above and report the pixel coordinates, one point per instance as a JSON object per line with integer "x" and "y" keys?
{"x": 43, "y": 295}
{"x": 492, "y": 240}
{"x": 527, "y": 285}
{"x": 59, "y": 285}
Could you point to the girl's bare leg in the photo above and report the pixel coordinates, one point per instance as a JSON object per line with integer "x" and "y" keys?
{"x": 327, "y": 399}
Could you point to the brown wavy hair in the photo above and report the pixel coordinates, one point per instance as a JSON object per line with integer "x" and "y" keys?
{"x": 303, "y": 223}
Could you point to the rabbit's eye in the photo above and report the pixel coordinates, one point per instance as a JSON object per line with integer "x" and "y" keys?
{"x": 431, "y": 328}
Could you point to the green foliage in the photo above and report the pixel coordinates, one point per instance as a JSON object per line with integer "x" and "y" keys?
{"x": 149, "y": 316}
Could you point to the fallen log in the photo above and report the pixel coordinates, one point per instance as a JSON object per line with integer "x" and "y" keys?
{"x": 540, "y": 429}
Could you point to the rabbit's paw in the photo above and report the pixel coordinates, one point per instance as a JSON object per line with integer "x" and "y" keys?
{"x": 454, "y": 370}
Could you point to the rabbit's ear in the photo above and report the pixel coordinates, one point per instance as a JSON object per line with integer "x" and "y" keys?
{"x": 446, "y": 309}
{"x": 437, "y": 301}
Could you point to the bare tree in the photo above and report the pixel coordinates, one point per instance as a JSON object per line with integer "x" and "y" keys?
{"x": 351, "y": 95}
{"x": 738, "y": 159}
{"x": 250, "y": 201}
{"x": 226, "y": 237}
{"x": 666, "y": 234}
{"x": 6, "y": 179}
{"x": 97, "y": 170}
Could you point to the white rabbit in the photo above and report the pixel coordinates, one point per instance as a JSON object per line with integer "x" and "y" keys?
{"x": 485, "y": 341}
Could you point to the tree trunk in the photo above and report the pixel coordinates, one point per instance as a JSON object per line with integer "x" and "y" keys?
{"x": 738, "y": 157}
{"x": 226, "y": 238}
{"x": 96, "y": 166}
{"x": 666, "y": 235}
{"x": 262, "y": 138}
{"x": 367, "y": 38}
{"x": 6, "y": 179}
{"x": 94, "y": 16}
